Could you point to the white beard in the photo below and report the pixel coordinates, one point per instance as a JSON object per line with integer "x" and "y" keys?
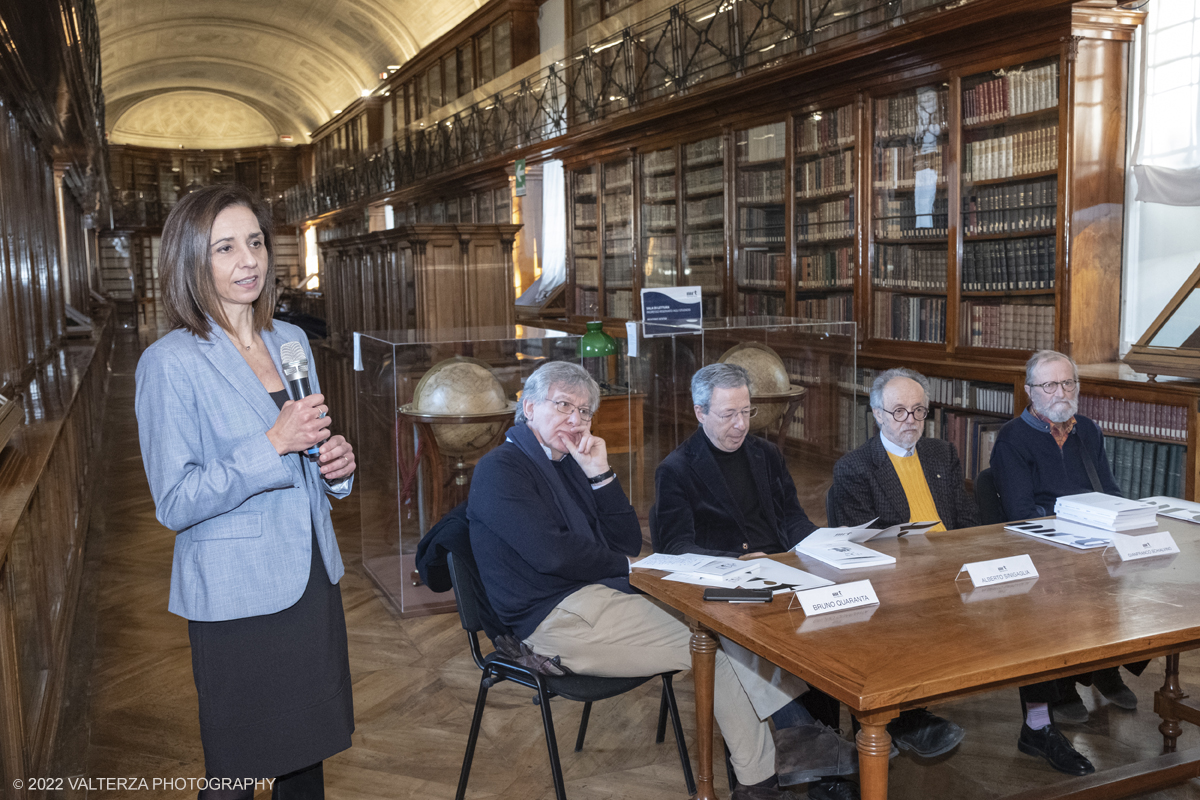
{"x": 1060, "y": 413}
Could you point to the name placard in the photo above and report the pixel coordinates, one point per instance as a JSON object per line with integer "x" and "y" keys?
{"x": 837, "y": 597}
{"x": 1130, "y": 548}
{"x": 1000, "y": 570}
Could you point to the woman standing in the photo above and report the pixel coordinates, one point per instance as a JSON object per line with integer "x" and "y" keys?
{"x": 256, "y": 562}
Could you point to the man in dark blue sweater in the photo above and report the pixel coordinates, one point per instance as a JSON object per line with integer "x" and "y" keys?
{"x": 1049, "y": 452}
{"x": 553, "y": 535}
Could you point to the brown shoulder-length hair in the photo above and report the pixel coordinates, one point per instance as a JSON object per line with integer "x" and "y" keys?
{"x": 185, "y": 264}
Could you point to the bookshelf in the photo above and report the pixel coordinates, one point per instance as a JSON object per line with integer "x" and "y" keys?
{"x": 825, "y": 181}
{"x": 762, "y": 272}
{"x": 659, "y": 223}
{"x": 616, "y": 210}
{"x": 585, "y": 239}
{"x": 704, "y": 187}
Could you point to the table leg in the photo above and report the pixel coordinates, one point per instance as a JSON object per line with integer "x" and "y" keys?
{"x": 874, "y": 747}
{"x": 704, "y": 664}
{"x": 1164, "y": 703}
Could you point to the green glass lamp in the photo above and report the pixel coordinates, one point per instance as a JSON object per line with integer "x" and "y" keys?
{"x": 598, "y": 351}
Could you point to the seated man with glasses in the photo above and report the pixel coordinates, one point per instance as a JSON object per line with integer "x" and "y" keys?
{"x": 724, "y": 492}
{"x": 895, "y": 477}
{"x": 1046, "y": 453}
{"x": 554, "y": 534}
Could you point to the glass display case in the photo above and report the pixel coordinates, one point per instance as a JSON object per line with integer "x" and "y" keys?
{"x": 1009, "y": 207}
{"x": 909, "y": 216}
{"x": 429, "y": 407}
{"x": 826, "y": 255}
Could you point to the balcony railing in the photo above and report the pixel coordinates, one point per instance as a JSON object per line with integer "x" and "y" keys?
{"x": 663, "y": 56}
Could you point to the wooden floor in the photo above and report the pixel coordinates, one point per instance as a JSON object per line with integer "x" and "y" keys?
{"x": 132, "y": 705}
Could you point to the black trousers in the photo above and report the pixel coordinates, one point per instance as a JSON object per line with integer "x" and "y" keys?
{"x": 303, "y": 784}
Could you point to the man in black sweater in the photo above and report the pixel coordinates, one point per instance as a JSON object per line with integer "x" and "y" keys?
{"x": 553, "y": 535}
{"x": 1048, "y": 452}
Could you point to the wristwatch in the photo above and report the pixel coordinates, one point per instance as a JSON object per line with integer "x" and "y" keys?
{"x": 602, "y": 477}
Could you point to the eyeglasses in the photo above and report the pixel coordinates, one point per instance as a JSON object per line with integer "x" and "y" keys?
{"x": 566, "y": 408}
{"x": 1050, "y": 387}
{"x": 900, "y": 414}
{"x": 746, "y": 413}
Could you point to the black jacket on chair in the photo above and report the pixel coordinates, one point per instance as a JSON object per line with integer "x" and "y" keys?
{"x": 865, "y": 486}
{"x": 695, "y": 511}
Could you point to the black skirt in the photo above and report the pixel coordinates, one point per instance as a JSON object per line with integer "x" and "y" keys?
{"x": 275, "y": 692}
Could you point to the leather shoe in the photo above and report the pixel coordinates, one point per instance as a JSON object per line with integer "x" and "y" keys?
{"x": 1050, "y": 744}
{"x": 924, "y": 733}
{"x": 1070, "y": 709}
{"x": 808, "y": 752}
{"x": 763, "y": 793}
{"x": 833, "y": 789}
{"x": 1108, "y": 682}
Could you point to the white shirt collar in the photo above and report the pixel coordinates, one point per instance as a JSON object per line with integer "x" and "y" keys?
{"x": 550, "y": 454}
{"x": 894, "y": 448}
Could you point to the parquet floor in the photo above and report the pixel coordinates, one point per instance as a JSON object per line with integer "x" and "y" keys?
{"x": 131, "y": 709}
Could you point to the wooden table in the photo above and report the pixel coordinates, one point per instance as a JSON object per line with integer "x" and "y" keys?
{"x": 932, "y": 639}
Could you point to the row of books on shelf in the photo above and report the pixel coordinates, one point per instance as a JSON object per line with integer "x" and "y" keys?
{"x": 1133, "y": 418}
{"x": 661, "y": 246}
{"x": 1011, "y": 94}
{"x": 753, "y": 304}
{"x": 587, "y": 301}
{"x": 706, "y": 210}
{"x": 618, "y": 176}
{"x": 996, "y": 398}
{"x": 587, "y": 271}
{"x": 760, "y": 186}
{"x": 659, "y": 187}
{"x": 585, "y": 213}
{"x": 617, "y": 207}
{"x": 900, "y": 218}
{"x": 762, "y": 225}
{"x": 1147, "y": 469}
{"x": 830, "y": 220}
{"x": 659, "y": 216}
{"x": 619, "y": 304}
{"x": 825, "y": 130}
{"x": 1007, "y": 326}
{"x": 1011, "y": 156}
{"x": 1011, "y": 208}
{"x": 619, "y": 232}
{"x": 1007, "y": 265}
{"x": 915, "y": 114}
{"x": 832, "y": 269}
{"x": 855, "y": 421}
{"x": 802, "y": 370}
{"x": 585, "y": 183}
{"x": 973, "y": 436}
{"x": 903, "y": 267}
{"x": 762, "y": 270}
{"x": 705, "y": 244}
{"x": 832, "y": 308}
{"x": 909, "y": 319}
{"x": 898, "y": 166}
{"x": 703, "y": 151}
{"x": 658, "y": 162}
{"x": 822, "y": 176}
{"x": 764, "y": 143}
{"x": 618, "y": 270}
{"x": 587, "y": 243}
{"x": 703, "y": 181}
{"x": 797, "y": 431}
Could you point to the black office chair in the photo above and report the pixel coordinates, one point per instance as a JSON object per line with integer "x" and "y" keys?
{"x": 988, "y": 499}
{"x": 585, "y": 689}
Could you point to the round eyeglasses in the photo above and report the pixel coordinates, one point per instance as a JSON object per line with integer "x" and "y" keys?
{"x": 900, "y": 414}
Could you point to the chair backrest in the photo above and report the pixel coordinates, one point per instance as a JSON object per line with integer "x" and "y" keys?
{"x": 991, "y": 511}
{"x": 831, "y": 516}
{"x": 468, "y": 589}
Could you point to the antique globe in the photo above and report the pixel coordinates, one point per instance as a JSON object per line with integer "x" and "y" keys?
{"x": 462, "y": 387}
{"x": 770, "y": 388}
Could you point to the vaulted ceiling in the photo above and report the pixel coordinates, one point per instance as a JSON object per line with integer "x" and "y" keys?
{"x": 236, "y": 73}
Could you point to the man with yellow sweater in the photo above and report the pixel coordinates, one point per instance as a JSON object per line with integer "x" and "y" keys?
{"x": 900, "y": 477}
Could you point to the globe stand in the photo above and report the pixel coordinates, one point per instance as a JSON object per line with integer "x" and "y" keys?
{"x": 793, "y": 396}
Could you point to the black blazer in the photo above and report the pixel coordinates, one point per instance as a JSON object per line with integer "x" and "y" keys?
{"x": 695, "y": 511}
{"x": 865, "y": 485}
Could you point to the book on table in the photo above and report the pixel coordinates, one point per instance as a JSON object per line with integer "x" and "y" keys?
{"x": 1105, "y": 511}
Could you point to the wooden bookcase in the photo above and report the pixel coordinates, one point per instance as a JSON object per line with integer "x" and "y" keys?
{"x": 967, "y": 206}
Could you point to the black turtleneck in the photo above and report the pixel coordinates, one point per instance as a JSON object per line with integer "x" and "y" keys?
{"x": 761, "y": 536}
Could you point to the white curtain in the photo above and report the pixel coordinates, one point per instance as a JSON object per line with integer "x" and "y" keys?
{"x": 554, "y": 231}
{"x": 1162, "y": 208}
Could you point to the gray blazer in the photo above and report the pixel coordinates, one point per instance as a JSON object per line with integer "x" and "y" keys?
{"x": 244, "y": 515}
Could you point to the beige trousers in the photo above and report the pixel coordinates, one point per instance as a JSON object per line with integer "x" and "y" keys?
{"x": 600, "y": 631}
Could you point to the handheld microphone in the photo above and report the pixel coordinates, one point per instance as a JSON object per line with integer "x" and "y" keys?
{"x": 295, "y": 370}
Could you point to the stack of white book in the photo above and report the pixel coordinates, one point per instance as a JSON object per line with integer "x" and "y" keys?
{"x": 1103, "y": 511}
